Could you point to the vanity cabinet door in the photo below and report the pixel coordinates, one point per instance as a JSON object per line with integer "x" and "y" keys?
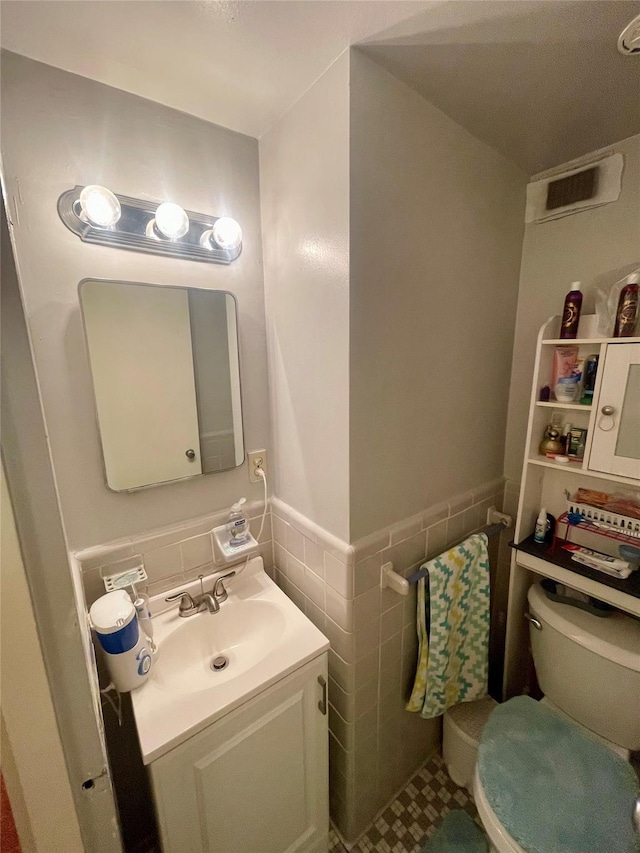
{"x": 616, "y": 436}
{"x": 255, "y": 781}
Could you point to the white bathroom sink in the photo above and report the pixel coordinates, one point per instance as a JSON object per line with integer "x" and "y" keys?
{"x": 241, "y": 635}
{"x": 260, "y": 634}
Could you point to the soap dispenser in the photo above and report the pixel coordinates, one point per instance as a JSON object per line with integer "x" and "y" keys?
{"x": 238, "y": 526}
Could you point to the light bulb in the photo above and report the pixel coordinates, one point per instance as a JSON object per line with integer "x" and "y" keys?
{"x": 99, "y": 206}
{"x": 226, "y": 233}
{"x": 171, "y": 220}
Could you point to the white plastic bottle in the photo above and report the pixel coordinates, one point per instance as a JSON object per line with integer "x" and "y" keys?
{"x": 141, "y": 604}
{"x": 541, "y": 527}
{"x": 238, "y": 526}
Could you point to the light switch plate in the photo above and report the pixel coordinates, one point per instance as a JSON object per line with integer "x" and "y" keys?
{"x": 257, "y": 459}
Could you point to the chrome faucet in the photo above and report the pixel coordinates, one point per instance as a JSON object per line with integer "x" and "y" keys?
{"x": 190, "y": 605}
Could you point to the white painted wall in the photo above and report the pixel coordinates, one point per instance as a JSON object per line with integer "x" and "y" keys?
{"x": 304, "y": 183}
{"x": 597, "y": 247}
{"x": 60, "y": 130}
{"x": 36, "y": 775}
{"x": 55, "y": 591}
{"x": 436, "y": 234}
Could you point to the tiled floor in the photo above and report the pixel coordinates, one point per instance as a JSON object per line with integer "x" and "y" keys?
{"x": 413, "y": 817}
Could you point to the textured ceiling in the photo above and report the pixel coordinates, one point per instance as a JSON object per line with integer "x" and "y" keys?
{"x": 539, "y": 80}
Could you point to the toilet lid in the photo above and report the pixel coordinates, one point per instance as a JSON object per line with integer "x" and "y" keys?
{"x": 554, "y": 788}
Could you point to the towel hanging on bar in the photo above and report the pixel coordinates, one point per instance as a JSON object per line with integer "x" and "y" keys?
{"x": 490, "y": 530}
{"x": 453, "y": 629}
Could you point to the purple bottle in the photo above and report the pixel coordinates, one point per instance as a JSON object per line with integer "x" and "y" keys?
{"x": 571, "y": 313}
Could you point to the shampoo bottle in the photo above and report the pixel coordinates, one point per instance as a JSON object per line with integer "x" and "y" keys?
{"x": 571, "y": 313}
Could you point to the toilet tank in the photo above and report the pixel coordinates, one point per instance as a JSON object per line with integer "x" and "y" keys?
{"x": 589, "y": 667}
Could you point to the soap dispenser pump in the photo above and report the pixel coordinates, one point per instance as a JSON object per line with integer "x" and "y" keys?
{"x": 238, "y": 526}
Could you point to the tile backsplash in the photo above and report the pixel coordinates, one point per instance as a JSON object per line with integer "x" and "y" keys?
{"x": 172, "y": 555}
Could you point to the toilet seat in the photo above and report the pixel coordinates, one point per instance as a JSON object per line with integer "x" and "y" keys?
{"x": 543, "y": 786}
{"x": 498, "y": 835}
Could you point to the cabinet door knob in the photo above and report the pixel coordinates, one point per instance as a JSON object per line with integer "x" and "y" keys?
{"x": 607, "y": 420}
{"x": 190, "y": 454}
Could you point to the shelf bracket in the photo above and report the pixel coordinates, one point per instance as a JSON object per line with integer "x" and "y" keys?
{"x": 390, "y": 578}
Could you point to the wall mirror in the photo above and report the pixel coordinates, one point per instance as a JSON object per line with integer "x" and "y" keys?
{"x": 166, "y": 378}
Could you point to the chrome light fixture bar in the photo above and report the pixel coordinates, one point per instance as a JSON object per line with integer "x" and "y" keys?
{"x": 109, "y": 219}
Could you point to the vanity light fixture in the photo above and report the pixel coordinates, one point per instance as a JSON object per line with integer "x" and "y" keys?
{"x": 225, "y": 234}
{"x": 99, "y": 206}
{"x": 97, "y": 215}
{"x": 170, "y": 221}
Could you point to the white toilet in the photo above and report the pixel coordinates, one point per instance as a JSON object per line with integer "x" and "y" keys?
{"x": 548, "y": 779}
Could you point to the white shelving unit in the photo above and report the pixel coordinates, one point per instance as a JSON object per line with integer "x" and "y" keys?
{"x": 578, "y": 407}
{"x": 545, "y": 483}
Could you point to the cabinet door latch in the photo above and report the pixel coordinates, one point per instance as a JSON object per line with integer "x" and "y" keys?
{"x": 322, "y": 704}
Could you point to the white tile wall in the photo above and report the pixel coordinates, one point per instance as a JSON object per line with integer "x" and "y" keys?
{"x": 375, "y": 745}
{"x": 172, "y": 555}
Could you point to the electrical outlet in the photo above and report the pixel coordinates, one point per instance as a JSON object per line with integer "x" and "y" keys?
{"x": 257, "y": 459}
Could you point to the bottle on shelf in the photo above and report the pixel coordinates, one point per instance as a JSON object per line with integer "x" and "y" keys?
{"x": 589, "y": 383}
{"x": 541, "y": 527}
{"x": 627, "y": 313}
{"x": 571, "y": 313}
{"x": 238, "y": 526}
{"x": 550, "y": 444}
{"x": 545, "y": 528}
{"x": 566, "y": 389}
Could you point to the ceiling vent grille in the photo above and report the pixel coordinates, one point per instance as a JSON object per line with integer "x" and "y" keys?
{"x": 580, "y": 186}
{"x": 584, "y": 186}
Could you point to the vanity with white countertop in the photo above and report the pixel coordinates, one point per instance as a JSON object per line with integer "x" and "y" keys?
{"x": 232, "y": 724}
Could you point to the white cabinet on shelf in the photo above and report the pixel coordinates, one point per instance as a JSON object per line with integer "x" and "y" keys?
{"x": 615, "y": 447}
{"x": 611, "y": 463}
{"x": 255, "y": 780}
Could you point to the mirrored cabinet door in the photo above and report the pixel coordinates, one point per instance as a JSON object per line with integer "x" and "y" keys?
{"x": 616, "y": 437}
{"x": 164, "y": 362}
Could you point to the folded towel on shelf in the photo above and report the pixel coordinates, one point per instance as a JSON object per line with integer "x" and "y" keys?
{"x": 453, "y": 629}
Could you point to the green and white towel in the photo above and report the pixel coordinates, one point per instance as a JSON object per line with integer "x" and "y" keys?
{"x": 453, "y": 629}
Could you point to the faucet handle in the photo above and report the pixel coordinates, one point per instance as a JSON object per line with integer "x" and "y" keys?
{"x": 186, "y": 601}
{"x": 219, "y": 592}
